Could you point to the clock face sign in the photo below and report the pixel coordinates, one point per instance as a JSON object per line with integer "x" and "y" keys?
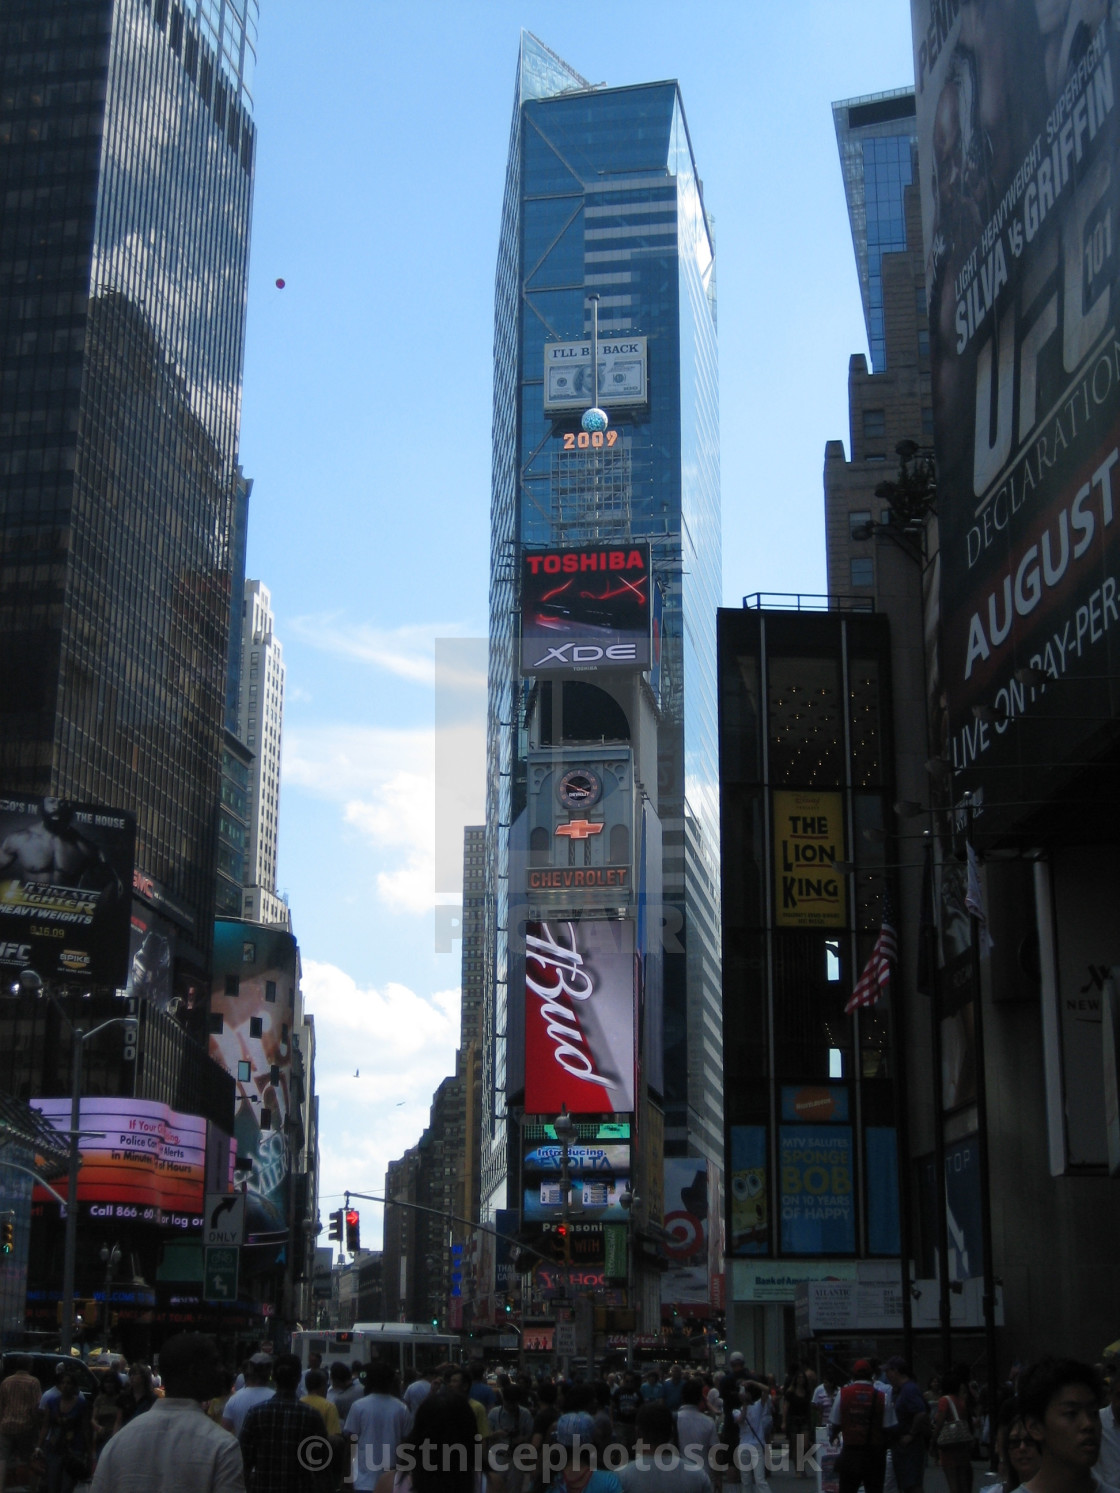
{"x": 579, "y": 788}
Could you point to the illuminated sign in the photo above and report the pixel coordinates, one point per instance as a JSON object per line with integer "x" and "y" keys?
{"x": 568, "y": 382}
{"x": 579, "y": 1017}
{"x": 808, "y": 840}
{"x": 148, "y": 1166}
{"x": 585, "y": 608}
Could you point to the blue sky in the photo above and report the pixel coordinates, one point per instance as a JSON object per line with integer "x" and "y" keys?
{"x": 382, "y": 137}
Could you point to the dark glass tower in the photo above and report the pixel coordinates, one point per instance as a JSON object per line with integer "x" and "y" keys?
{"x": 126, "y": 167}
{"x": 876, "y": 136}
{"x": 602, "y": 196}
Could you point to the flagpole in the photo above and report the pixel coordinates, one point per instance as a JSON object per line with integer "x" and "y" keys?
{"x": 987, "y": 1254}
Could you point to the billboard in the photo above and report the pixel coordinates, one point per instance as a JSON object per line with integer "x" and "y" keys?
{"x": 253, "y": 994}
{"x": 686, "y": 1281}
{"x": 579, "y": 1017}
{"x": 622, "y": 375}
{"x": 817, "y": 1198}
{"x": 750, "y": 1226}
{"x": 65, "y": 880}
{"x": 808, "y": 840}
{"x": 147, "y": 1166}
{"x": 1017, "y": 131}
{"x": 585, "y": 609}
{"x": 583, "y": 1159}
{"x": 593, "y": 1200}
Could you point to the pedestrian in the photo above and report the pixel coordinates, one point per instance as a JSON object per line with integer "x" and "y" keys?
{"x": 755, "y": 1421}
{"x": 796, "y": 1401}
{"x": 66, "y": 1435}
{"x": 283, "y": 1441}
{"x": 857, "y": 1415}
{"x": 439, "y": 1449}
{"x": 175, "y": 1447}
{"x": 574, "y": 1435}
{"x": 908, "y": 1443}
{"x": 952, "y": 1431}
{"x": 672, "y": 1387}
{"x": 823, "y": 1396}
{"x": 1020, "y": 1458}
{"x": 139, "y": 1394}
{"x": 314, "y": 1361}
{"x": 420, "y": 1388}
{"x": 107, "y": 1417}
{"x": 697, "y": 1436}
{"x": 1108, "y": 1467}
{"x": 19, "y": 1416}
{"x": 257, "y": 1390}
{"x": 658, "y": 1466}
{"x": 460, "y": 1383}
{"x": 624, "y": 1405}
{"x": 379, "y": 1421}
{"x": 344, "y": 1389}
{"x": 1060, "y": 1401}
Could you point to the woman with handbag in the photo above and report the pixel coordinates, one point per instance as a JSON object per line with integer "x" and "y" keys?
{"x": 952, "y": 1432}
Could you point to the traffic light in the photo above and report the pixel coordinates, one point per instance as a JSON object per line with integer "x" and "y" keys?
{"x": 7, "y": 1237}
{"x": 352, "y": 1231}
{"x": 131, "y": 1026}
{"x": 335, "y": 1230}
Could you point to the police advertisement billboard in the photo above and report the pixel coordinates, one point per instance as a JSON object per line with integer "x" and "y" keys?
{"x": 142, "y": 1162}
{"x": 579, "y": 1017}
{"x": 1017, "y": 131}
{"x": 252, "y": 1009}
{"x": 585, "y": 609}
{"x": 65, "y": 879}
{"x": 569, "y": 387}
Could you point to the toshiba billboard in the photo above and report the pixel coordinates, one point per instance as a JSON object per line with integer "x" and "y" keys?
{"x": 586, "y": 608}
{"x": 579, "y": 1017}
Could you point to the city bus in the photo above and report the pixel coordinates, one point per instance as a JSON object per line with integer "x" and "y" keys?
{"x": 406, "y": 1345}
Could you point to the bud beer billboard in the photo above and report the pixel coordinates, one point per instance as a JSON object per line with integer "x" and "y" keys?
{"x": 579, "y": 1017}
{"x": 1018, "y": 136}
{"x": 585, "y": 608}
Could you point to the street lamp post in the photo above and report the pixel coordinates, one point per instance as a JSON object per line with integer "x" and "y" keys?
{"x": 32, "y": 982}
{"x": 110, "y": 1256}
{"x": 565, "y": 1133}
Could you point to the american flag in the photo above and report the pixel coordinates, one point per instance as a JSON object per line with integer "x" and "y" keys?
{"x": 876, "y": 977}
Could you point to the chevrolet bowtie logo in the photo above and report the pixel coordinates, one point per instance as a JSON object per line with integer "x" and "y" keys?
{"x": 579, "y": 829}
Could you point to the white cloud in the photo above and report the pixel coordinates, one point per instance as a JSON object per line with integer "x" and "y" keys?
{"x": 407, "y": 651}
{"x": 401, "y": 1046}
{"x": 394, "y": 807}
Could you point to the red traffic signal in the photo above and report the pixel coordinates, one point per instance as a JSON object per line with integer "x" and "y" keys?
{"x": 352, "y": 1231}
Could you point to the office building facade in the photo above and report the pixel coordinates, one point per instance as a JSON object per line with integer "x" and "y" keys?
{"x": 260, "y": 726}
{"x": 126, "y": 158}
{"x": 603, "y": 215}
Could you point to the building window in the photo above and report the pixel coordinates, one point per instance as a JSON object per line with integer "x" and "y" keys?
{"x": 861, "y": 571}
{"x": 256, "y": 1026}
{"x": 270, "y": 990}
{"x": 248, "y": 953}
{"x": 215, "y": 1023}
{"x": 244, "y": 1071}
{"x": 856, "y": 519}
{"x": 233, "y": 984}
{"x": 923, "y": 342}
{"x": 874, "y": 425}
{"x": 266, "y": 1119}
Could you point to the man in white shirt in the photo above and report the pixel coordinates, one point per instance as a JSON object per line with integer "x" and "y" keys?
{"x": 420, "y": 1389}
{"x": 175, "y": 1447}
{"x": 697, "y": 1436}
{"x": 257, "y": 1390}
{"x": 1108, "y": 1464}
{"x": 379, "y": 1421}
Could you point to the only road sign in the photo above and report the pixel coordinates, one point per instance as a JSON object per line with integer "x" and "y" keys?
{"x": 224, "y": 1219}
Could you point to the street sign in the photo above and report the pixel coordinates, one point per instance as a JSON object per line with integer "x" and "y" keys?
{"x": 224, "y": 1220}
{"x": 564, "y": 1341}
{"x": 220, "y": 1274}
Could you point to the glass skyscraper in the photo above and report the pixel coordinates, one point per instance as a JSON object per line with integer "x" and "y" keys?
{"x": 602, "y": 195}
{"x": 877, "y": 136}
{"x": 126, "y": 167}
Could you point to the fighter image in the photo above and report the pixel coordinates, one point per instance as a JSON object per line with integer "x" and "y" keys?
{"x": 54, "y": 853}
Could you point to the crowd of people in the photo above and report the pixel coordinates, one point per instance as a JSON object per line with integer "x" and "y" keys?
{"x": 281, "y": 1428}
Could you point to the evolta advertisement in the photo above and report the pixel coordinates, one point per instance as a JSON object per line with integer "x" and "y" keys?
{"x": 1017, "y": 131}
{"x": 255, "y": 978}
{"x": 65, "y": 889}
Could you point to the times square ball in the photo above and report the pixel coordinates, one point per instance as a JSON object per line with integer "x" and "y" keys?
{"x": 594, "y": 419}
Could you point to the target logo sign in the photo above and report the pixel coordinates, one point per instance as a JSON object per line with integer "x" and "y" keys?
{"x": 684, "y": 1235}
